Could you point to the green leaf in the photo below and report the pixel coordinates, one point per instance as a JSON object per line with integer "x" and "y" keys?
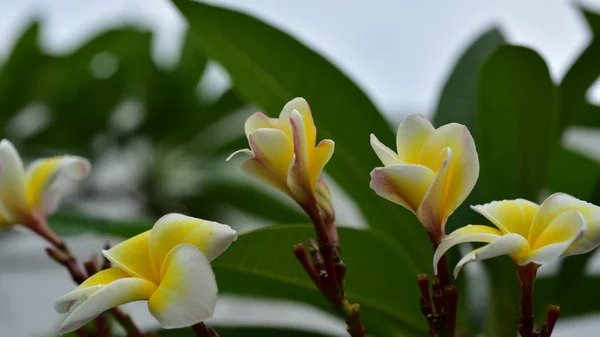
{"x": 380, "y": 275}
{"x": 580, "y": 300}
{"x": 69, "y": 223}
{"x": 517, "y": 120}
{"x": 243, "y": 332}
{"x": 269, "y": 67}
{"x": 590, "y": 116}
{"x": 580, "y": 77}
{"x": 457, "y": 102}
{"x": 573, "y": 173}
{"x": 592, "y": 19}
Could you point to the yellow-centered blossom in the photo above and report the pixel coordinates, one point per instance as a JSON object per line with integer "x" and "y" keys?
{"x": 283, "y": 152}
{"x": 28, "y": 196}
{"x": 168, "y": 266}
{"x": 562, "y": 225}
{"x": 432, "y": 172}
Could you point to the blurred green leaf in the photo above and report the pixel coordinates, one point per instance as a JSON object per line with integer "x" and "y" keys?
{"x": 517, "y": 120}
{"x": 592, "y": 19}
{"x": 381, "y": 276}
{"x": 581, "y": 297}
{"x": 269, "y": 67}
{"x": 580, "y": 77}
{"x": 590, "y": 116}
{"x": 573, "y": 173}
{"x": 457, "y": 102}
{"x": 70, "y": 223}
{"x": 243, "y": 332}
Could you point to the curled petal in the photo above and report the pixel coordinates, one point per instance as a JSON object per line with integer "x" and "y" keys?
{"x": 509, "y": 244}
{"x": 562, "y": 231}
{"x": 88, "y": 287}
{"x": 556, "y": 204}
{"x": 432, "y": 211}
{"x": 510, "y": 216}
{"x": 116, "y": 293}
{"x": 385, "y": 154}
{"x": 470, "y": 233}
{"x": 590, "y": 239}
{"x": 244, "y": 151}
{"x": 174, "y": 229}
{"x": 259, "y": 121}
{"x": 300, "y": 105}
{"x": 405, "y": 185}
{"x": 412, "y": 133}
{"x": 274, "y": 151}
{"x": 464, "y": 167}
{"x": 187, "y": 293}
{"x": 133, "y": 256}
{"x": 43, "y": 172}
{"x": 13, "y": 200}
{"x": 320, "y": 157}
{"x": 298, "y": 179}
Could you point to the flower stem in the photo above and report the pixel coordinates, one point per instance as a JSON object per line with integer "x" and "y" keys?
{"x": 201, "y": 330}
{"x": 527, "y": 277}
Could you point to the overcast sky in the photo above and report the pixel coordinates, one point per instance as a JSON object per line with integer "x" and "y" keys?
{"x": 398, "y": 51}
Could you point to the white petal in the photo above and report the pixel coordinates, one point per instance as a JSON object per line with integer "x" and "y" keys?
{"x": 509, "y": 244}
{"x": 412, "y": 133}
{"x": 385, "y": 154}
{"x": 564, "y": 229}
{"x": 470, "y": 233}
{"x": 119, "y": 292}
{"x": 188, "y": 291}
{"x": 244, "y": 151}
{"x": 13, "y": 201}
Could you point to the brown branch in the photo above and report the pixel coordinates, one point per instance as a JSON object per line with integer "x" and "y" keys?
{"x": 527, "y": 278}
{"x": 201, "y": 330}
{"x": 451, "y": 299}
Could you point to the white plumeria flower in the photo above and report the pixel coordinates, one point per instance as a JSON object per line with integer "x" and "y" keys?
{"x": 28, "y": 196}
{"x": 283, "y": 152}
{"x": 432, "y": 172}
{"x": 562, "y": 225}
{"x": 168, "y": 266}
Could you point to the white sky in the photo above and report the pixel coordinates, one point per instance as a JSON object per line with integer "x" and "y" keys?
{"x": 398, "y": 51}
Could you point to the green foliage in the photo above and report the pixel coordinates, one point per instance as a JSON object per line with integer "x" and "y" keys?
{"x": 244, "y": 332}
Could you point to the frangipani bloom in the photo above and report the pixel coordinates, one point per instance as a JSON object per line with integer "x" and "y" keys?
{"x": 282, "y": 150}
{"x": 432, "y": 172}
{"x": 562, "y": 225}
{"x": 28, "y": 196}
{"x": 168, "y": 266}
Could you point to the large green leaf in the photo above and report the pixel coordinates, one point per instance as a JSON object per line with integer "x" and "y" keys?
{"x": 70, "y": 223}
{"x": 268, "y": 67}
{"x": 457, "y": 103}
{"x": 590, "y": 116}
{"x": 381, "y": 276}
{"x": 517, "y": 120}
{"x": 580, "y": 299}
{"x": 580, "y": 76}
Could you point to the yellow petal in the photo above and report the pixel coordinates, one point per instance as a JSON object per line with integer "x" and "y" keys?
{"x": 256, "y": 169}
{"x": 412, "y": 133}
{"x": 464, "y": 167}
{"x": 274, "y": 151}
{"x": 405, "y": 185}
{"x": 510, "y": 216}
{"x": 43, "y": 172}
{"x": 298, "y": 179}
{"x": 174, "y": 229}
{"x": 432, "y": 212}
{"x": 385, "y": 154}
{"x": 512, "y": 244}
{"x": 554, "y": 205}
{"x": 320, "y": 157}
{"x": 88, "y": 287}
{"x": 562, "y": 231}
{"x": 301, "y": 105}
{"x": 188, "y": 291}
{"x": 133, "y": 256}
{"x": 259, "y": 121}
{"x": 13, "y": 202}
{"x": 591, "y": 237}
{"x": 116, "y": 293}
{"x": 470, "y": 233}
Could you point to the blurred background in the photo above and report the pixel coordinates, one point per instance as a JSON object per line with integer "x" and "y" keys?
{"x": 121, "y": 83}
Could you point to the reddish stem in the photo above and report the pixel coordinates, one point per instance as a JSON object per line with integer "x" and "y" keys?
{"x": 201, "y": 330}
{"x": 527, "y": 277}
{"x": 551, "y": 317}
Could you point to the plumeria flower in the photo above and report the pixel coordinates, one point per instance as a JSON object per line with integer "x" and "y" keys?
{"x": 432, "y": 172}
{"x": 168, "y": 266}
{"x": 562, "y": 225}
{"x": 28, "y": 196}
{"x": 283, "y": 152}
